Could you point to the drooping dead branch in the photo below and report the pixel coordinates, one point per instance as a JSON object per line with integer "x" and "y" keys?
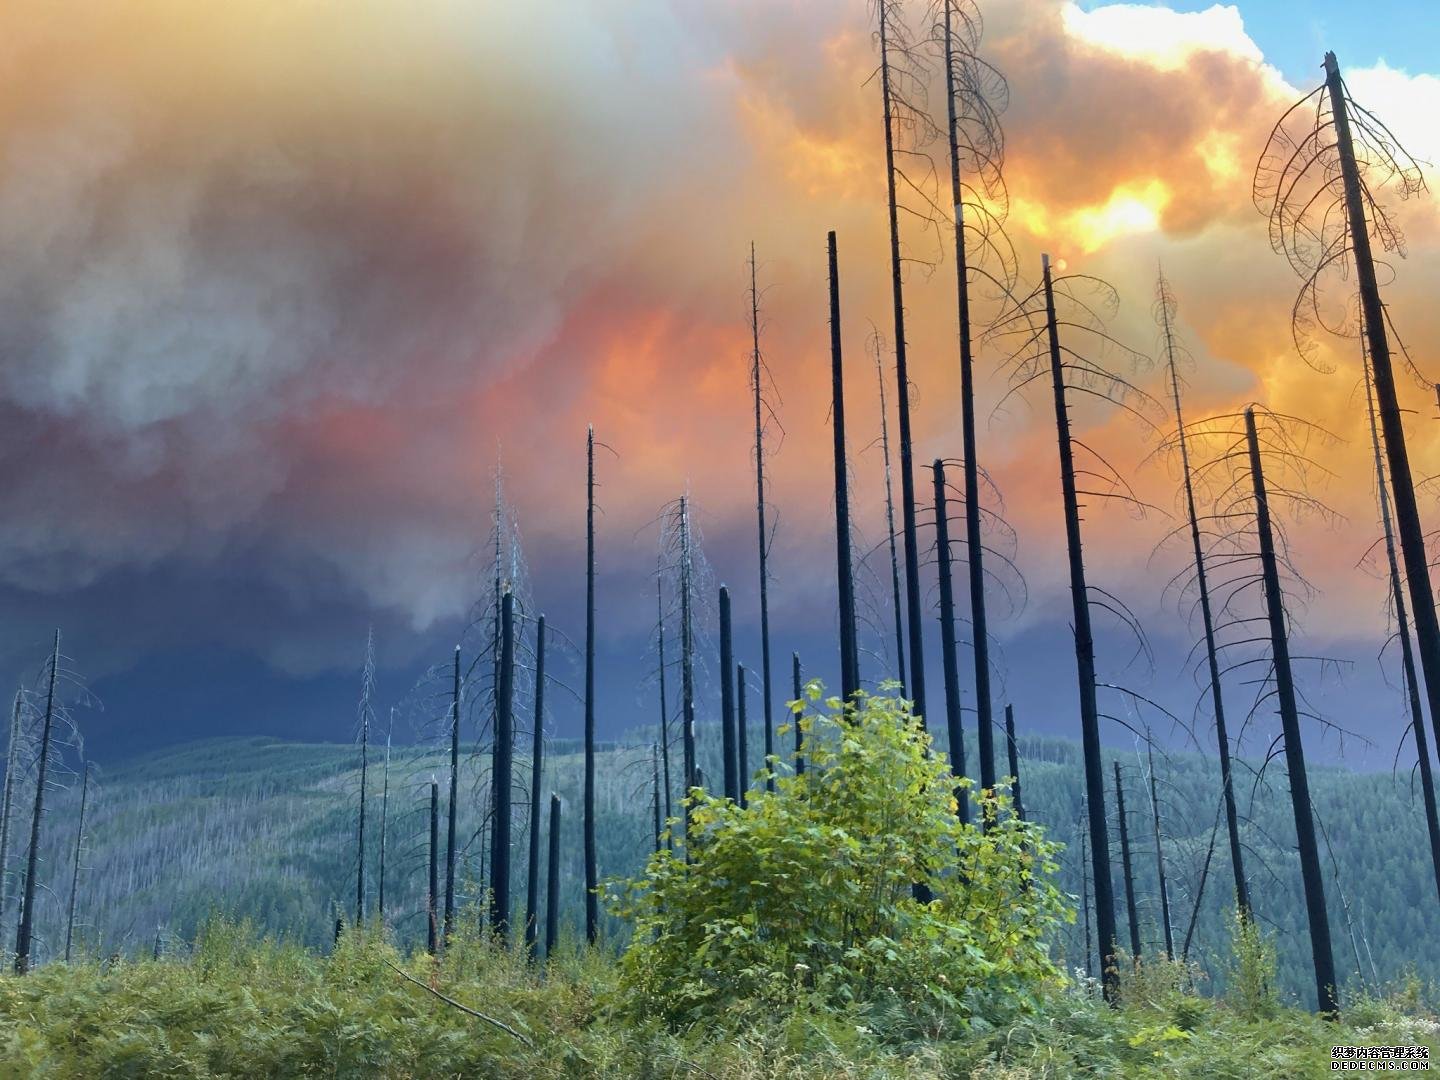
{"x": 975, "y": 95}
{"x": 1047, "y": 331}
{"x": 764, "y": 417}
{"x": 1175, "y": 355}
{"x": 904, "y": 73}
{"x": 844, "y": 566}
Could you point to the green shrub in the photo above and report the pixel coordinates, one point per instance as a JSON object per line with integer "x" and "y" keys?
{"x": 805, "y": 895}
{"x": 1252, "y": 970}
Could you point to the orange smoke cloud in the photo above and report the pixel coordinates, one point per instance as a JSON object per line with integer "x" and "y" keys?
{"x": 290, "y": 268}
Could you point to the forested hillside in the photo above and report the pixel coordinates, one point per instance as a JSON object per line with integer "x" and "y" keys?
{"x": 265, "y": 829}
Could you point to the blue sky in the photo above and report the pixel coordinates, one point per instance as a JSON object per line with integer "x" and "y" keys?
{"x": 1294, "y": 36}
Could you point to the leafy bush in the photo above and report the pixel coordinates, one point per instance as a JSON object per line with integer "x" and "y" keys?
{"x": 1252, "y": 970}
{"x": 805, "y": 895}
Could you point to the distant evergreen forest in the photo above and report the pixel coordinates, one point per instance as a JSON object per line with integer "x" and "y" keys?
{"x": 265, "y": 830}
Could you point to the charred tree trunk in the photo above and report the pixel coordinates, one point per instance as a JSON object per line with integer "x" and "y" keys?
{"x": 495, "y": 614}
{"x": 454, "y": 808}
{"x": 890, "y": 532}
{"x": 1217, "y": 701}
{"x": 433, "y": 896}
{"x": 664, "y": 699}
{"x": 799, "y": 696}
{"x": 75, "y": 872}
{"x": 655, "y": 784}
{"x": 727, "y": 701}
{"x": 1014, "y": 754}
{"x": 1130, "y": 911}
{"x": 755, "y": 373}
{"x": 1326, "y": 988}
{"x": 1160, "y": 860}
{"x": 742, "y": 739}
{"x": 11, "y": 763}
{"x": 537, "y": 768}
{"x": 953, "y": 725}
{"x": 552, "y": 880}
{"x": 1407, "y": 656}
{"x": 687, "y": 656}
{"x": 1407, "y": 515}
{"x": 384, "y": 819}
{"x": 592, "y": 873}
{"x": 1085, "y": 905}
{"x": 1085, "y": 662}
{"x": 1200, "y": 895}
{"x": 849, "y": 648}
{"x": 483, "y": 836}
{"x": 25, "y": 931}
{"x": 364, "y": 781}
{"x": 916, "y": 682}
{"x": 502, "y": 774}
{"x": 360, "y": 837}
{"x": 974, "y": 545}
{"x": 1344, "y": 901}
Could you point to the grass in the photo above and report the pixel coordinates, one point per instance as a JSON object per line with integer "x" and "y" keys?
{"x": 236, "y": 1005}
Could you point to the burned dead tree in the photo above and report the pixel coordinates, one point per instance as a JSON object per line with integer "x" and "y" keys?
{"x": 75, "y": 872}
{"x": 366, "y": 719}
{"x": 687, "y": 648}
{"x": 1402, "y": 631}
{"x": 537, "y": 772}
{"x": 1131, "y": 913}
{"x": 592, "y": 875}
{"x": 903, "y": 77}
{"x": 742, "y": 737}
{"x": 664, "y": 742}
{"x": 56, "y": 734}
{"x": 1036, "y": 321}
{"x": 949, "y": 619}
{"x": 503, "y": 573}
{"x": 1175, "y": 355}
{"x": 1318, "y": 181}
{"x": 954, "y": 728}
{"x": 655, "y": 794}
{"x": 502, "y": 776}
{"x": 1325, "y": 984}
{"x": 684, "y": 584}
{"x": 433, "y": 895}
{"x": 25, "y": 932}
{"x": 384, "y": 818}
{"x": 1200, "y": 888}
{"x": 799, "y": 732}
{"x": 758, "y": 372}
{"x": 844, "y": 567}
{"x": 452, "y": 836}
{"x": 1014, "y": 754}
{"x": 898, "y": 605}
{"x": 552, "y": 880}
{"x": 1253, "y": 462}
{"x": 12, "y": 777}
{"x": 1084, "y": 653}
{"x": 1085, "y": 905}
{"x": 1160, "y": 876}
{"x": 727, "y": 701}
{"x": 975, "y": 95}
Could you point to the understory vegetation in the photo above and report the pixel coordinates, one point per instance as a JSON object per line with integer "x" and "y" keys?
{"x": 789, "y": 940}
{"x": 238, "y": 1006}
{"x": 249, "y": 825}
